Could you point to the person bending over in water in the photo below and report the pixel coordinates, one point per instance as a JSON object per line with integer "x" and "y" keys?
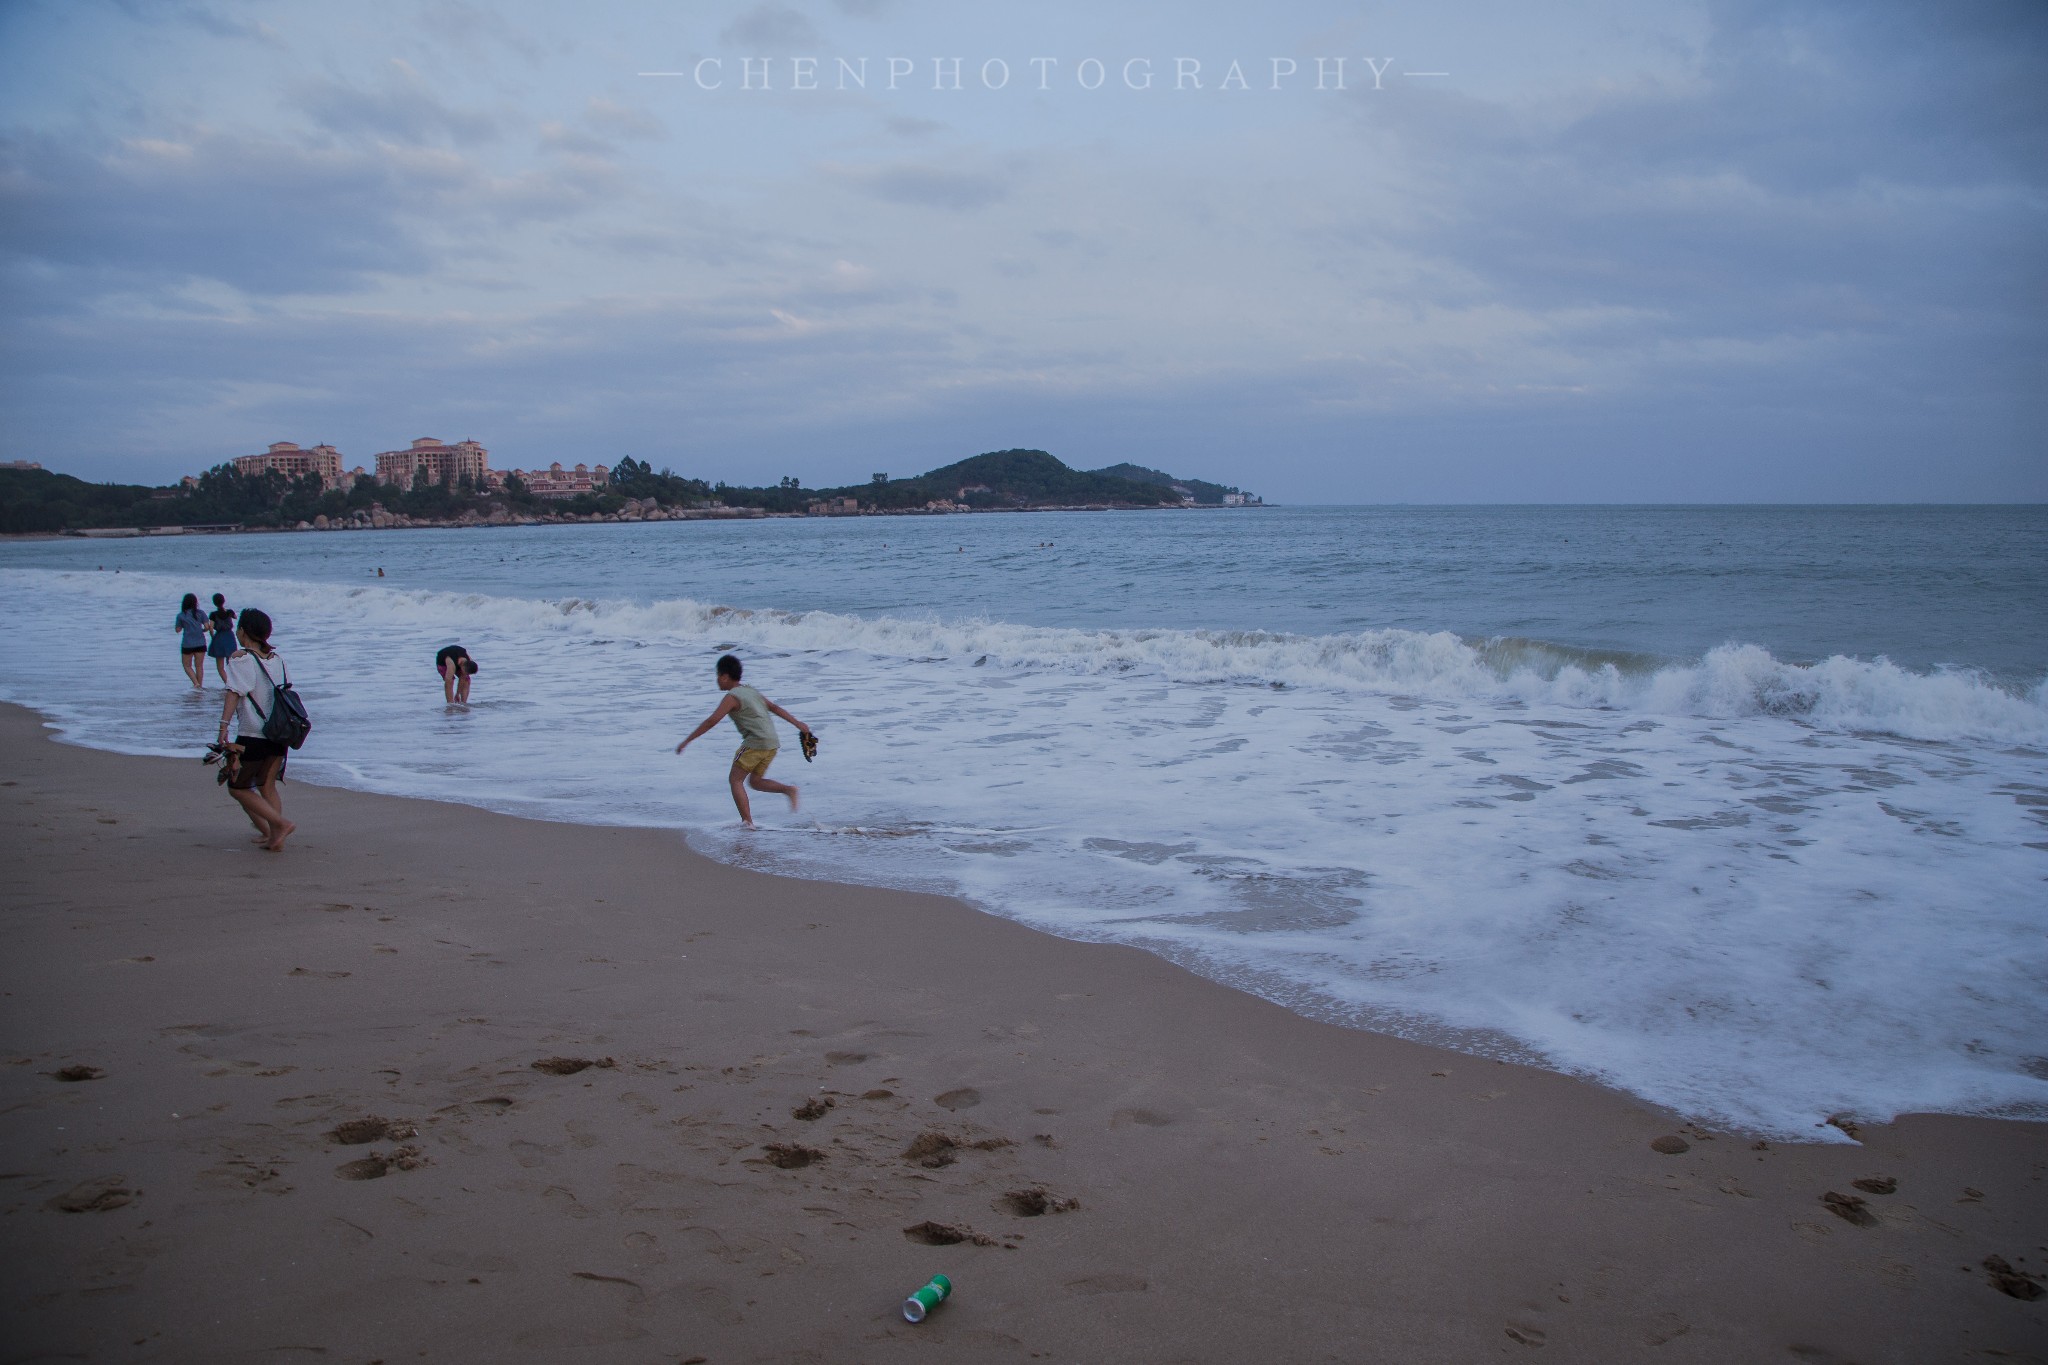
{"x": 252, "y": 674}
{"x": 456, "y": 669}
{"x": 758, "y": 743}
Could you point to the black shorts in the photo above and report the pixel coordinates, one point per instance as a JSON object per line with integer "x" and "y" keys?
{"x": 193, "y": 649}
{"x": 261, "y": 760}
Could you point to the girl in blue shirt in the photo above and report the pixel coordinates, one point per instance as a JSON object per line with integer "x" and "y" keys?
{"x": 192, "y": 649}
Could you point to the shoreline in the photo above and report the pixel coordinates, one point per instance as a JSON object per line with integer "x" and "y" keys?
{"x": 401, "y": 522}
{"x": 1250, "y": 1184}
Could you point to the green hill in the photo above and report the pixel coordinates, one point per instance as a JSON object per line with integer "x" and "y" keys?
{"x": 40, "y": 500}
{"x": 1009, "y": 478}
{"x": 1203, "y": 492}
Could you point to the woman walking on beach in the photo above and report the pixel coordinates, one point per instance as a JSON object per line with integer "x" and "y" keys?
{"x": 192, "y": 646}
{"x": 252, "y": 674}
{"x": 221, "y": 622}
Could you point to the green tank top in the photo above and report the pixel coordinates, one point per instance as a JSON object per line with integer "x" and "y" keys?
{"x": 756, "y": 726}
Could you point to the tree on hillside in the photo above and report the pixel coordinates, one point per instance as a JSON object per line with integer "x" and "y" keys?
{"x": 631, "y": 478}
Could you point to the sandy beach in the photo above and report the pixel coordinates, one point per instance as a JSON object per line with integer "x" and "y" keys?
{"x": 436, "y": 1084}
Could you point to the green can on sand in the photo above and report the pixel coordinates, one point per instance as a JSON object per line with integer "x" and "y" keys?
{"x": 935, "y": 1292}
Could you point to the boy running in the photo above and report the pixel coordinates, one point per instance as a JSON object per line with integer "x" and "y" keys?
{"x": 758, "y": 743}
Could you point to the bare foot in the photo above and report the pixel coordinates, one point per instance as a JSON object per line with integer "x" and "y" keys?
{"x": 283, "y": 832}
{"x": 792, "y": 800}
{"x": 746, "y": 824}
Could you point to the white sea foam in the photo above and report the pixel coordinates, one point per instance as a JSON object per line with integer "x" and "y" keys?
{"x": 1731, "y": 682}
{"x": 1757, "y": 891}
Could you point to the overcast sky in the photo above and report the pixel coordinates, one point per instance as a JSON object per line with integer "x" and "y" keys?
{"x": 1610, "y": 251}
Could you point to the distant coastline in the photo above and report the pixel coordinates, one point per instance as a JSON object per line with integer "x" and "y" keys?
{"x": 245, "y": 496}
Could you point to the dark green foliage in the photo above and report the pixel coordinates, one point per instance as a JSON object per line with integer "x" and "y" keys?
{"x": 632, "y": 478}
{"x": 518, "y": 494}
{"x": 225, "y": 494}
{"x": 38, "y": 500}
{"x": 787, "y": 496}
{"x": 1008, "y": 478}
{"x": 1205, "y": 493}
{"x": 426, "y": 499}
{"x": 583, "y": 504}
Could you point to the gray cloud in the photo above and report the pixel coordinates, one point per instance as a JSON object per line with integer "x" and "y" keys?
{"x": 260, "y": 216}
{"x": 403, "y": 107}
{"x": 912, "y": 128}
{"x": 202, "y": 17}
{"x": 622, "y": 121}
{"x": 265, "y": 216}
{"x": 926, "y": 186}
{"x": 772, "y": 28}
{"x": 1819, "y": 201}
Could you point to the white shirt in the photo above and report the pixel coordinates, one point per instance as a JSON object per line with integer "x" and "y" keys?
{"x": 246, "y": 680}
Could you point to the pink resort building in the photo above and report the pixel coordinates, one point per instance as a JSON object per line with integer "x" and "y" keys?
{"x": 287, "y": 459}
{"x": 443, "y": 463}
{"x": 557, "y": 482}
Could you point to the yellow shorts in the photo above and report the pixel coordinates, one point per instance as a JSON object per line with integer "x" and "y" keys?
{"x": 755, "y": 761}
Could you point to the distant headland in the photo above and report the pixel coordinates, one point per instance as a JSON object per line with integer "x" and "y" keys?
{"x": 432, "y": 483}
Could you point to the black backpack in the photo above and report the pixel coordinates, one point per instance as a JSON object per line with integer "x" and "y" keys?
{"x": 287, "y": 724}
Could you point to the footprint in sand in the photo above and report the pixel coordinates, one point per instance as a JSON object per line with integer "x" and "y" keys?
{"x": 947, "y": 1234}
{"x": 2019, "y": 1284}
{"x": 372, "y": 1128}
{"x": 324, "y": 976}
{"x": 1665, "y": 1327}
{"x": 106, "y": 1193}
{"x": 790, "y": 1156}
{"x": 1146, "y": 1118}
{"x": 846, "y": 1058}
{"x": 932, "y": 1149}
{"x": 1850, "y": 1208}
{"x": 569, "y": 1066}
{"x": 1034, "y": 1203}
{"x": 376, "y": 1165}
{"x": 242, "y": 1175}
{"x": 78, "y": 1073}
{"x": 966, "y": 1097}
{"x": 530, "y": 1154}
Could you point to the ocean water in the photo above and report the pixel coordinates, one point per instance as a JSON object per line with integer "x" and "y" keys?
{"x": 1742, "y": 810}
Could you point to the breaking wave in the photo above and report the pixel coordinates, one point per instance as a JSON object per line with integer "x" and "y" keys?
{"x": 1730, "y": 682}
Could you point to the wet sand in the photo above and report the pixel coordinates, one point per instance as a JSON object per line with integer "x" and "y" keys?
{"x": 335, "y": 1107}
